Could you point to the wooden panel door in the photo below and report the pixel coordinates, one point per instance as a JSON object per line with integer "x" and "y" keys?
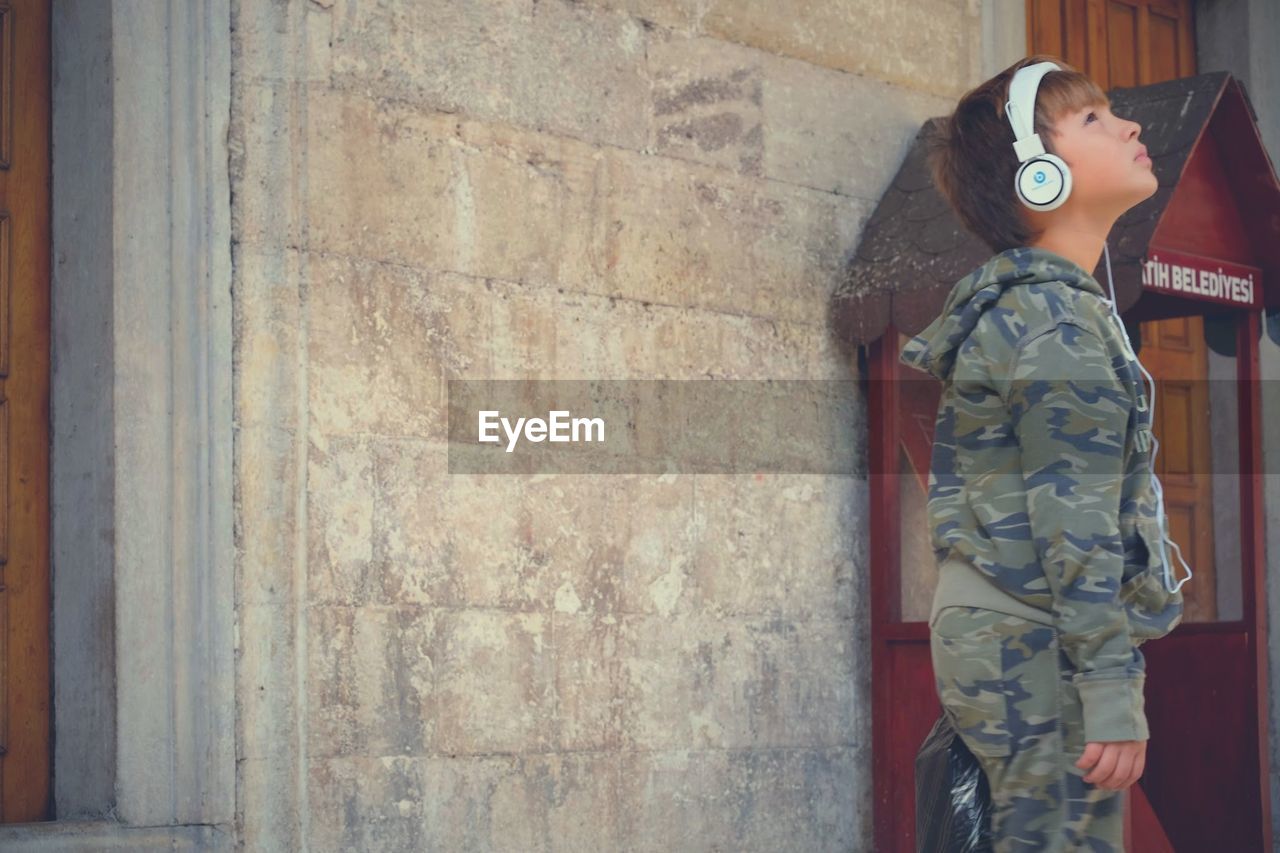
{"x": 25, "y": 680}
{"x": 1176, "y": 355}
{"x": 1116, "y": 42}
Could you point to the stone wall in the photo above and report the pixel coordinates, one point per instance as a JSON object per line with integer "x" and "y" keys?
{"x": 539, "y": 188}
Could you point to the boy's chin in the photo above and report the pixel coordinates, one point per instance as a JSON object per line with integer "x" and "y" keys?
{"x": 1140, "y": 191}
{"x": 1151, "y": 186}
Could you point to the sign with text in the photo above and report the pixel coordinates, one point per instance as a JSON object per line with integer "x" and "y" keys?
{"x": 1197, "y": 277}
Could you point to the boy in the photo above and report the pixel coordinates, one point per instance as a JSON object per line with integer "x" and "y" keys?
{"x": 1043, "y": 513}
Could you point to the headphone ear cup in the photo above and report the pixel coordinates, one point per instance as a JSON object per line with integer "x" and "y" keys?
{"x": 1043, "y": 182}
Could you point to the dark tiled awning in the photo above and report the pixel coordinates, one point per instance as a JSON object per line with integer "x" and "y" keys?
{"x": 913, "y": 248}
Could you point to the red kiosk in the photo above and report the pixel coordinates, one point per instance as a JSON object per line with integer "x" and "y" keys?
{"x": 1195, "y": 267}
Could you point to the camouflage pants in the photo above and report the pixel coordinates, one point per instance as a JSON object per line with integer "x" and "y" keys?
{"x": 1007, "y": 686}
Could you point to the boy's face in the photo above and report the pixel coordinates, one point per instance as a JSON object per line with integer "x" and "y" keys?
{"x": 1107, "y": 175}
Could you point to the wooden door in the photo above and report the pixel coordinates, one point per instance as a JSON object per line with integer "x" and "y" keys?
{"x": 25, "y": 681}
{"x": 1174, "y": 352}
{"x": 1116, "y": 42}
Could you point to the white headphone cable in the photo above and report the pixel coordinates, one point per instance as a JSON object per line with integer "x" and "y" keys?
{"x": 1155, "y": 446}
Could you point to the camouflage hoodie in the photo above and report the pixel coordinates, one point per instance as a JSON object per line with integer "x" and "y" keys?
{"x": 1040, "y": 500}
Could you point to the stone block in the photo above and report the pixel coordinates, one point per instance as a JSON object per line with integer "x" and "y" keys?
{"x": 523, "y": 207}
{"x": 370, "y": 684}
{"x": 266, "y": 672}
{"x": 266, "y": 489}
{"x": 563, "y": 67}
{"x": 796, "y": 560}
{"x": 370, "y": 802}
{"x": 708, "y": 101}
{"x": 840, "y": 132}
{"x": 267, "y": 320}
{"x": 395, "y": 182}
{"x": 698, "y": 682}
{"x": 686, "y": 234}
{"x": 274, "y": 40}
{"x": 514, "y": 542}
{"x": 266, "y": 151}
{"x": 588, "y": 673}
{"x": 495, "y": 681}
{"x": 516, "y": 803}
{"x": 680, "y": 15}
{"x": 754, "y": 801}
{"x": 382, "y": 340}
{"x": 340, "y": 508}
{"x": 927, "y": 44}
{"x": 268, "y": 816}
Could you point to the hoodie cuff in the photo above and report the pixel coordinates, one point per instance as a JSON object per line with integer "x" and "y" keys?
{"x": 1113, "y": 708}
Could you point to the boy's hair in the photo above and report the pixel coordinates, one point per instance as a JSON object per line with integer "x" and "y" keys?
{"x": 971, "y": 156}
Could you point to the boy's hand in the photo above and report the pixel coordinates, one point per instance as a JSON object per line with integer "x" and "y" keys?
{"x": 1116, "y": 764}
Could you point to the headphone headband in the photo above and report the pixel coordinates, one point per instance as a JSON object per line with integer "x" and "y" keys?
{"x": 1043, "y": 181}
{"x": 1021, "y": 108}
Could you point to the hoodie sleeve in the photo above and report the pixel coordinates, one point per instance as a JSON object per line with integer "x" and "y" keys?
{"x": 1070, "y": 413}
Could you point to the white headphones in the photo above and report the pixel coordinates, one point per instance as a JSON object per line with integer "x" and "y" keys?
{"x": 1043, "y": 181}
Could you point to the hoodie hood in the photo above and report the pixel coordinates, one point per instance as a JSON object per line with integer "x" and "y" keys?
{"x": 934, "y": 349}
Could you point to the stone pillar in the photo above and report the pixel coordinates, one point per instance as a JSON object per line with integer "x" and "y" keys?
{"x": 143, "y": 558}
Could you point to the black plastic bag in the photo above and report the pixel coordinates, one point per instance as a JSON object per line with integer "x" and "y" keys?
{"x": 953, "y": 798}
